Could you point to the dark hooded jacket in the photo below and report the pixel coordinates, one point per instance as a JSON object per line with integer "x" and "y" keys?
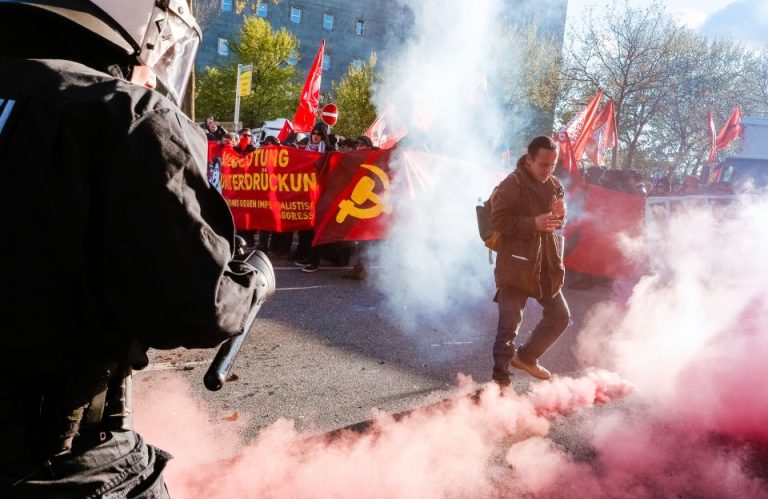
{"x": 114, "y": 240}
{"x": 528, "y": 261}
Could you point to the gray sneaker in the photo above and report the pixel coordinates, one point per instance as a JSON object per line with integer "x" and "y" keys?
{"x": 533, "y": 369}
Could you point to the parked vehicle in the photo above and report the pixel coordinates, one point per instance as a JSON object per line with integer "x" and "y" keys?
{"x": 268, "y": 128}
{"x": 750, "y": 165}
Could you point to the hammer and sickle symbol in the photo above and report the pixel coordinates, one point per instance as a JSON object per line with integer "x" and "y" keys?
{"x": 362, "y": 193}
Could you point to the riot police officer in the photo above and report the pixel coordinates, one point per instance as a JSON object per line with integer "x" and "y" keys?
{"x": 114, "y": 241}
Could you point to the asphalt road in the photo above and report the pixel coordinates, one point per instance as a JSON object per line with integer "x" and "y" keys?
{"x": 326, "y": 352}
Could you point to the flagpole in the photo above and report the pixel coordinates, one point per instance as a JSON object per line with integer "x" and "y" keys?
{"x": 237, "y": 96}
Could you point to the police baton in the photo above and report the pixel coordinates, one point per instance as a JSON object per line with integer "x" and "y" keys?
{"x": 222, "y": 363}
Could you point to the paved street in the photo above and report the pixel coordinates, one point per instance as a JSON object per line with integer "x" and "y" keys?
{"x": 326, "y": 352}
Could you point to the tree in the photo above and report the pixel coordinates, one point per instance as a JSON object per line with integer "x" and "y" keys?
{"x": 275, "y": 86}
{"x": 353, "y": 98}
{"x": 757, "y": 81}
{"x": 529, "y": 81}
{"x": 663, "y": 78}
{"x": 708, "y": 78}
{"x": 630, "y": 53}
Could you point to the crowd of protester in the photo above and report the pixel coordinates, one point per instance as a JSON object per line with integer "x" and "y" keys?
{"x": 297, "y": 246}
{"x": 632, "y": 182}
{"x": 320, "y": 139}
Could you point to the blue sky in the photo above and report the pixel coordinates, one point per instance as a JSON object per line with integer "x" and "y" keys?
{"x": 742, "y": 20}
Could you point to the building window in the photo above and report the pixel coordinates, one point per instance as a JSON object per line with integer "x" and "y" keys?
{"x": 360, "y": 27}
{"x": 226, "y": 5}
{"x": 261, "y": 11}
{"x": 357, "y": 63}
{"x": 223, "y": 48}
{"x": 326, "y": 62}
{"x": 293, "y": 58}
{"x": 295, "y": 15}
{"x": 328, "y": 21}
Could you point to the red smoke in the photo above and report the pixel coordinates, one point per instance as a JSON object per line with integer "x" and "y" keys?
{"x": 692, "y": 338}
{"x": 445, "y": 450}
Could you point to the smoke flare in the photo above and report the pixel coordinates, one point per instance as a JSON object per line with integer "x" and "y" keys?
{"x": 446, "y": 449}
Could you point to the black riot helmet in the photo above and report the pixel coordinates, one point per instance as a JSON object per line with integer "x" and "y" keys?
{"x": 160, "y": 34}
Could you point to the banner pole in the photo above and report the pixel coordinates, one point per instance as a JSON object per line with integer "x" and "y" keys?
{"x": 237, "y": 96}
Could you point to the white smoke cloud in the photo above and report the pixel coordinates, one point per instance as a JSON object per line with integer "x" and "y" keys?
{"x": 440, "y": 85}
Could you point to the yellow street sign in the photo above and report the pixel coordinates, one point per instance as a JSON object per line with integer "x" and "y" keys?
{"x": 244, "y": 78}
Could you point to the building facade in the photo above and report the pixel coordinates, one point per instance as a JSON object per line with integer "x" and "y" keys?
{"x": 352, "y": 29}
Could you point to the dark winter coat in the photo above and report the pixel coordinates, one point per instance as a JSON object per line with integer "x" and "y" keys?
{"x": 528, "y": 261}
{"x": 215, "y": 135}
{"x": 112, "y": 235}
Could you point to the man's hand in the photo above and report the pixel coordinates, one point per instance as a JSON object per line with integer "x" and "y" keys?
{"x": 547, "y": 222}
{"x": 558, "y": 207}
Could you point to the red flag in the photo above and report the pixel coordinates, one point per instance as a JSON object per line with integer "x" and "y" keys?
{"x": 731, "y": 130}
{"x": 573, "y": 137}
{"x": 567, "y": 160}
{"x": 602, "y": 136}
{"x": 382, "y": 133}
{"x": 581, "y": 123}
{"x": 285, "y": 131}
{"x": 354, "y": 202}
{"x": 712, "y": 138}
{"x": 304, "y": 119}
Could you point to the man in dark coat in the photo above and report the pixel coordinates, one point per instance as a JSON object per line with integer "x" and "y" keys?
{"x": 213, "y": 130}
{"x": 527, "y": 209}
{"x": 112, "y": 244}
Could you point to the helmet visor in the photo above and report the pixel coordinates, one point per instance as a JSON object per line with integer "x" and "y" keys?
{"x": 170, "y": 49}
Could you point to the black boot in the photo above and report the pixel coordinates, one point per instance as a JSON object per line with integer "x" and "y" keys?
{"x": 501, "y": 370}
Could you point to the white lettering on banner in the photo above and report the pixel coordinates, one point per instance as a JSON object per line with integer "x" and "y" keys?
{"x": 6, "y": 106}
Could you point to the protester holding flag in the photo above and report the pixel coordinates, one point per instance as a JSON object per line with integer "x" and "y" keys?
{"x": 318, "y": 138}
{"x": 527, "y": 208}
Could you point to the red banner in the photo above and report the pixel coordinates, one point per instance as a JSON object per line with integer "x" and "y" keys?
{"x": 598, "y": 219}
{"x": 285, "y": 189}
{"x": 214, "y": 164}
{"x": 354, "y": 204}
{"x": 271, "y": 188}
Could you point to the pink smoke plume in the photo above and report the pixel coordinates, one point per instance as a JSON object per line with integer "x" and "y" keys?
{"x": 444, "y": 450}
{"x": 691, "y": 338}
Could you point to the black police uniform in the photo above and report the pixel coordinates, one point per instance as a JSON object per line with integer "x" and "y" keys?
{"x": 113, "y": 242}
